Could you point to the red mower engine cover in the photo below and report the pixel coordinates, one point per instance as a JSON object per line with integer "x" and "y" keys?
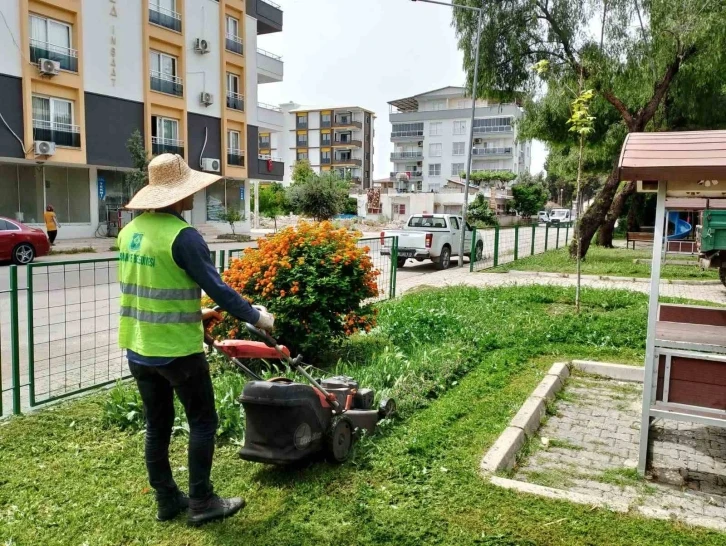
{"x": 285, "y": 422}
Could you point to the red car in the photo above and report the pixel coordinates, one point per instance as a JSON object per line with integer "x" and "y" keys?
{"x": 21, "y": 244}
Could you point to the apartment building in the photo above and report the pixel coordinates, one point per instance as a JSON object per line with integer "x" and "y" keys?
{"x": 332, "y": 138}
{"x": 78, "y": 77}
{"x": 430, "y": 133}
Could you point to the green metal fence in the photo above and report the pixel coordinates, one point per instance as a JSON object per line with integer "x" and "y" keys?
{"x": 383, "y": 252}
{"x": 492, "y": 247}
{"x": 10, "y": 380}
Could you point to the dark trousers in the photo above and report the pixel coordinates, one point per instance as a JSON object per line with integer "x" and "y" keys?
{"x": 189, "y": 378}
{"x": 52, "y": 234}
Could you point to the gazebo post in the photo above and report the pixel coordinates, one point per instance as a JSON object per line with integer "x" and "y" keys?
{"x": 650, "y": 383}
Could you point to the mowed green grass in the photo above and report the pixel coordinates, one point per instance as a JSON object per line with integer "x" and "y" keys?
{"x": 613, "y": 262}
{"x": 460, "y": 361}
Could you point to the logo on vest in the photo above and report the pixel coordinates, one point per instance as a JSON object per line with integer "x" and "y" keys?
{"x": 135, "y": 244}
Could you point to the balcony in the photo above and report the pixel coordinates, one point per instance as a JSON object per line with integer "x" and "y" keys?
{"x": 270, "y": 68}
{"x": 326, "y": 161}
{"x": 268, "y": 15}
{"x": 412, "y": 175}
{"x": 270, "y": 117}
{"x": 235, "y": 101}
{"x": 325, "y": 124}
{"x": 326, "y": 143}
{"x": 165, "y": 18}
{"x": 270, "y": 167}
{"x": 301, "y": 144}
{"x": 234, "y": 44}
{"x": 480, "y": 130}
{"x": 491, "y": 151}
{"x": 301, "y": 124}
{"x": 235, "y": 157}
{"x": 398, "y": 156}
{"x": 60, "y": 133}
{"x": 348, "y": 143}
{"x": 398, "y": 136}
{"x": 166, "y": 83}
{"x": 166, "y": 146}
{"x": 68, "y": 58}
{"x": 346, "y": 121}
{"x": 264, "y": 144}
{"x": 347, "y": 161}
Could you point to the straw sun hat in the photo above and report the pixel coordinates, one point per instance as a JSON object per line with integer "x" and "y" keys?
{"x": 170, "y": 181}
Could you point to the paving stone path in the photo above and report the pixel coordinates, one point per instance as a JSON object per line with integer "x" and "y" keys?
{"x": 590, "y": 447}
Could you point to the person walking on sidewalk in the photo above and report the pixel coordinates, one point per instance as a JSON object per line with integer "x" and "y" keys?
{"x": 51, "y": 224}
{"x": 164, "y": 264}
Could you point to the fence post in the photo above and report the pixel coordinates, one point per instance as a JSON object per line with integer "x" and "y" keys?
{"x": 213, "y": 255}
{"x": 516, "y": 243}
{"x": 394, "y": 267}
{"x": 557, "y": 242}
{"x": 14, "y": 341}
{"x": 222, "y": 258}
{"x": 472, "y": 254}
{"x": 496, "y": 246}
{"x": 31, "y": 337}
{"x": 567, "y": 233}
{"x": 547, "y": 235}
{"x": 534, "y": 236}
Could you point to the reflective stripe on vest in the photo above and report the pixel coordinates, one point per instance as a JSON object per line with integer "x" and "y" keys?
{"x": 160, "y": 304}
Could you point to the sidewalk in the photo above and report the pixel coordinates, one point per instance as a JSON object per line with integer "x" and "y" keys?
{"x": 104, "y": 244}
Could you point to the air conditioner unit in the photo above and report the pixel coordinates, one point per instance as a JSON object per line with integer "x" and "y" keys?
{"x": 43, "y": 147}
{"x": 48, "y": 67}
{"x": 211, "y": 165}
{"x": 201, "y": 46}
{"x": 478, "y": 140}
{"x": 420, "y": 142}
{"x": 206, "y": 98}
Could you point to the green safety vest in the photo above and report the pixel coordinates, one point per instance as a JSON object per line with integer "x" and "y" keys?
{"x": 160, "y": 303}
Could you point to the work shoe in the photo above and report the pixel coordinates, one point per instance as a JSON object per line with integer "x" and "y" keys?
{"x": 213, "y": 509}
{"x": 170, "y": 506}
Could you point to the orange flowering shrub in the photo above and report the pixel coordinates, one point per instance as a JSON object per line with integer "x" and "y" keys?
{"x": 313, "y": 278}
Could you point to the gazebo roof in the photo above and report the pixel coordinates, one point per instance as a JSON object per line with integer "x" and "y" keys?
{"x": 687, "y": 156}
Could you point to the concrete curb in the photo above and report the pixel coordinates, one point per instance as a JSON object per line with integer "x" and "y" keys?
{"x": 502, "y": 455}
{"x": 620, "y": 372}
{"x": 519, "y": 273}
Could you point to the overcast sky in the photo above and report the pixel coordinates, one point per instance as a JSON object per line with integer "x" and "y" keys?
{"x": 366, "y": 53}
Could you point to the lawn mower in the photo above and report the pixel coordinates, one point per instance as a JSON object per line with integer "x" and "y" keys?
{"x": 288, "y": 421}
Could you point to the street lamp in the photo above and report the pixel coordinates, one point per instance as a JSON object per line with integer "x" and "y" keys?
{"x": 473, "y": 115}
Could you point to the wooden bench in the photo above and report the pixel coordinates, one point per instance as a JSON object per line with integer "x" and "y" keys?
{"x": 638, "y": 236}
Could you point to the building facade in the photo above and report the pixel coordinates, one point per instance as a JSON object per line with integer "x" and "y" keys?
{"x": 430, "y": 133}
{"x": 332, "y": 138}
{"x": 79, "y": 77}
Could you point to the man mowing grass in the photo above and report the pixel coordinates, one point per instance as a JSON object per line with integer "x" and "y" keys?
{"x": 164, "y": 264}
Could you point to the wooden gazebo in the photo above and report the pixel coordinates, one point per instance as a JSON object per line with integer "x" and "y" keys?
{"x": 685, "y": 359}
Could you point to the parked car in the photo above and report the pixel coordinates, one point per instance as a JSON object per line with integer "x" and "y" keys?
{"x": 436, "y": 237}
{"x": 560, "y": 216}
{"x": 543, "y": 217}
{"x": 21, "y": 244}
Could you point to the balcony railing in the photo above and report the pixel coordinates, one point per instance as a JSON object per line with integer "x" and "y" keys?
{"x": 491, "y": 151}
{"x": 62, "y": 134}
{"x": 406, "y": 155}
{"x": 407, "y": 134}
{"x": 325, "y": 161}
{"x": 270, "y": 167}
{"x": 301, "y": 144}
{"x": 67, "y": 57}
{"x": 325, "y": 124}
{"x": 478, "y": 130}
{"x": 269, "y": 106}
{"x": 165, "y": 18}
{"x": 234, "y": 44}
{"x": 268, "y": 54}
{"x": 166, "y": 83}
{"x": 327, "y": 142}
{"x": 235, "y": 101}
{"x": 346, "y": 121}
{"x": 349, "y": 142}
{"x": 264, "y": 145}
{"x": 347, "y": 161}
{"x": 167, "y": 146}
{"x": 301, "y": 124}
{"x": 235, "y": 157}
{"x": 412, "y": 175}
{"x": 269, "y": 157}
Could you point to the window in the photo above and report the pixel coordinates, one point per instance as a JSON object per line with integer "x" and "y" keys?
{"x": 232, "y": 83}
{"x": 223, "y": 195}
{"x": 234, "y": 98}
{"x": 302, "y": 155}
{"x": 69, "y": 192}
{"x": 435, "y": 150}
{"x": 368, "y": 155}
{"x": 435, "y": 128}
{"x": 399, "y": 208}
{"x": 164, "y": 78}
{"x": 235, "y": 155}
{"x": 165, "y": 136}
{"x": 459, "y": 127}
{"x": 302, "y": 120}
{"x": 493, "y": 125}
{"x": 233, "y": 140}
{"x": 402, "y": 130}
{"x": 458, "y": 148}
{"x": 326, "y": 139}
{"x": 325, "y": 158}
{"x": 438, "y": 104}
{"x": 163, "y": 13}
{"x": 5, "y": 225}
{"x": 326, "y": 119}
{"x": 53, "y": 121}
{"x": 302, "y": 139}
{"x": 50, "y": 39}
{"x": 464, "y": 103}
{"x": 454, "y": 223}
{"x": 233, "y": 41}
{"x": 434, "y": 169}
{"x": 457, "y": 169}
{"x": 264, "y": 141}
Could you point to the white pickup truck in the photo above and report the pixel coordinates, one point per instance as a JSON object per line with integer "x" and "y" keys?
{"x": 436, "y": 237}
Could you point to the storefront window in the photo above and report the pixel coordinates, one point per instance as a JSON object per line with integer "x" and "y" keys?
{"x": 223, "y": 195}
{"x": 69, "y": 192}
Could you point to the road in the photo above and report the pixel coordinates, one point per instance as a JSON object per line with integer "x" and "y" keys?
{"x": 75, "y": 314}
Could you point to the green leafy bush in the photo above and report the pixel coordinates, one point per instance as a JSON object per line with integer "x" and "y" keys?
{"x": 123, "y": 408}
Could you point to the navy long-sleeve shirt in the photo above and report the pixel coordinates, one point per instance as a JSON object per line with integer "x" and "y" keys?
{"x": 191, "y": 253}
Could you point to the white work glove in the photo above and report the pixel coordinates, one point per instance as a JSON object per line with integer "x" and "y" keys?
{"x": 266, "y": 321}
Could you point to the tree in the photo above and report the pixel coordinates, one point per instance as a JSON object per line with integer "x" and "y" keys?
{"x": 231, "y": 215}
{"x": 139, "y": 177}
{"x": 302, "y": 171}
{"x": 529, "y": 196}
{"x": 273, "y": 201}
{"x": 480, "y": 214}
{"x": 640, "y": 64}
{"x": 319, "y": 196}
